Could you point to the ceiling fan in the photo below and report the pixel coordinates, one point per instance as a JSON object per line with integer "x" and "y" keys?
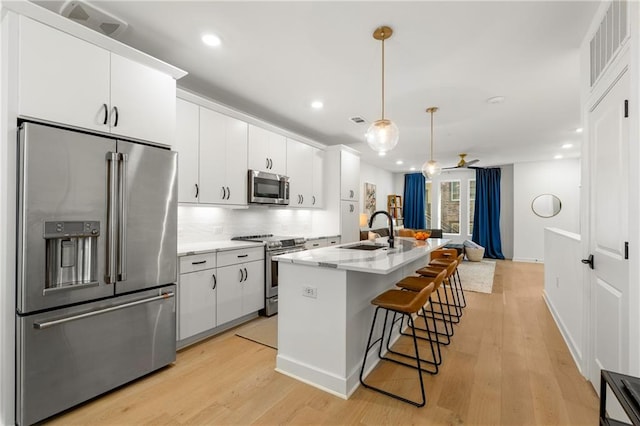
{"x": 463, "y": 164}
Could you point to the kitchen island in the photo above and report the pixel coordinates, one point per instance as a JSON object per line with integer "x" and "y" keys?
{"x": 325, "y": 311}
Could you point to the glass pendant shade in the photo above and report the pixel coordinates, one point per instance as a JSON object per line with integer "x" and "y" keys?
{"x": 431, "y": 168}
{"x": 382, "y": 135}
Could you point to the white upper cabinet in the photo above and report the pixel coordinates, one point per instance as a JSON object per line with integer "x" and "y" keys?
{"x": 222, "y": 159}
{"x": 267, "y": 151}
{"x": 317, "y": 196}
{"x": 62, "y": 78}
{"x": 143, "y": 101}
{"x": 305, "y": 171}
{"x": 299, "y": 169}
{"x": 70, "y": 81}
{"x": 187, "y": 137}
{"x": 350, "y": 176}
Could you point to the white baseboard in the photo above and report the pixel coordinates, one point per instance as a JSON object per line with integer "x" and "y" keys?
{"x": 527, "y": 260}
{"x": 575, "y": 352}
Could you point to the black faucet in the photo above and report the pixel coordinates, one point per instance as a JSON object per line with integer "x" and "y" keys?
{"x": 390, "y": 224}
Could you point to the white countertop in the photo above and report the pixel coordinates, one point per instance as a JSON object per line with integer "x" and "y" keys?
{"x": 380, "y": 261}
{"x": 185, "y": 249}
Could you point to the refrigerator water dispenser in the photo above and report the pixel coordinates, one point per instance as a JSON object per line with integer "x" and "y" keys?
{"x": 72, "y": 253}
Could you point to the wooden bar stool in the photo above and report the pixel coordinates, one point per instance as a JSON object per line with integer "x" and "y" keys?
{"x": 403, "y": 303}
{"x": 433, "y": 271}
{"x": 416, "y": 284}
{"x": 457, "y": 282}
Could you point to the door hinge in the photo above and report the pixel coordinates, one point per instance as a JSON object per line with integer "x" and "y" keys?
{"x": 626, "y": 108}
{"x": 626, "y": 249}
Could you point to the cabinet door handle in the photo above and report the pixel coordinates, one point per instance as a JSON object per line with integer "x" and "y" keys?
{"x": 197, "y": 190}
{"x": 241, "y": 275}
{"x": 266, "y": 160}
{"x": 202, "y": 262}
{"x": 223, "y": 193}
{"x": 351, "y": 208}
{"x": 106, "y": 114}
{"x": 351, "y": 193}
{"x": 242, "y": 255}
{"x": 115, "y": 111}
{"x": 302, "y": 198}
{"x": 314, "y": 200}
{"x": 246, "y": 274}
{"x": 228, "y": 193}
{"x": 270, "y": 163}
{"x": 215, "y": 282}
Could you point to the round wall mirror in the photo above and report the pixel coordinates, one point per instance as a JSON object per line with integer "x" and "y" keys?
{"x": 546, "y": 205}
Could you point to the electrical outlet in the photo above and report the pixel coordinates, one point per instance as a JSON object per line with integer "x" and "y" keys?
{"x": 311, "y": 292}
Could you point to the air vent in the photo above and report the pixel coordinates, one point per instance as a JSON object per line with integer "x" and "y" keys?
{"x": 92, "y": 17}
{"x": 609, "y": 37}
{"x": 358, "y": 120}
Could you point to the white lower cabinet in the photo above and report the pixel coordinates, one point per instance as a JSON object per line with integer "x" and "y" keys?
{"x": 349, "y": 221}
{"x": 240, "y": 291}
{"x": 197, "y": 302}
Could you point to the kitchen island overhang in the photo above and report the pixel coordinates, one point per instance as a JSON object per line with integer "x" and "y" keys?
{"x": 325, "y": 307}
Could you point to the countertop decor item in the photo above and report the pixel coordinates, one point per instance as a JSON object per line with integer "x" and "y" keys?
{"x": 431, "y": 168}
{"x": 383, "y": 134}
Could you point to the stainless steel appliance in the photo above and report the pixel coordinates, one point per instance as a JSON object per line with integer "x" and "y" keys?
{"x": 268, "y": 188}
{"x": 274, "y": 246}
{"x": 97, "y": 263}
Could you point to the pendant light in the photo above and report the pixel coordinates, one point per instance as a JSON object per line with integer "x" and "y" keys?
{"x": 431, "y": 168}
{"x": 383, "y": 134}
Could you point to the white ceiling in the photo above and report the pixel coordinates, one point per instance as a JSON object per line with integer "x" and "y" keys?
{"x": 277, "y": 57}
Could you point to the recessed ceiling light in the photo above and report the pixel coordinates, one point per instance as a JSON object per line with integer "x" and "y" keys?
{"x": 496, "y": 100}
{"x": 399, "y": 162}
{"x": 412, "y": 168}
{"x": 567, "y": 145}
{"x": 382, "y": 153}
{"x": 211, "y": 40}
{"x": 557, "y": 157}
{"x": 579, "y": 130}
{"x": 317, "y": 104}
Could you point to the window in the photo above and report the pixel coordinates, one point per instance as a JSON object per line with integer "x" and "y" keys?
{"x": 472, "y": 203}
{"x": 428, "y": 204}
{"x": 450, "y": 207}
{"x": 455, "y": 191}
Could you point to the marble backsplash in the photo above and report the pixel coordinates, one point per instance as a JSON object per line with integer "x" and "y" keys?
{"x": 204, "y": 223}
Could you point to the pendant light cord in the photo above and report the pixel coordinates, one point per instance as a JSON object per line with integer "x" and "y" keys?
{"x": 383, "y": 78}
{"x": 431, "y": 135}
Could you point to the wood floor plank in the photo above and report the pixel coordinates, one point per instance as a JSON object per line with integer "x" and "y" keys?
{"x": 507, "y": 364}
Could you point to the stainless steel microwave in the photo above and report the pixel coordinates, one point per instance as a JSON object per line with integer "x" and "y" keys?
{"x": 268, "y": 188}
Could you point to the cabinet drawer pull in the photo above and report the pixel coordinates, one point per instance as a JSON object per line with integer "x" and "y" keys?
{"x": 106, "y": 114}
{"x": 199, "y": 263}
{"x": 316, "y": 245}
{"x": 242, "y": 255}
{"x": 215, "y": 282}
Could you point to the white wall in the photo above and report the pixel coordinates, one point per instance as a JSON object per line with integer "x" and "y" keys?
{"x": 506, "y": 210}
{"x": 564, "y": 290}
{"x": 558, "y": 177}
{"x": 384, "y": 182}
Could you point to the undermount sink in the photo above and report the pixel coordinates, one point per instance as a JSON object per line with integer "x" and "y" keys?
{"x": 362, "y": 246}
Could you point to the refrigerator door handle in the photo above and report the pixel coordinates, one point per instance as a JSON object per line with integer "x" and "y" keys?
{"x": 112, "y": 213}
{"x": 48, "y": 324}
{"x": 122, "y": 218}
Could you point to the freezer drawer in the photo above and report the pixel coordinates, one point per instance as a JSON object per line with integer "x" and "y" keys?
{"x": 67, "y": 356}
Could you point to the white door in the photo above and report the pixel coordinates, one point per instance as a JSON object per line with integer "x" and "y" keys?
{"x": 608, "y": 170}
{"x": 258, "y": 149}
{"x": 349, "y": 176}
{"x": 62, "y": 78}
{"x": 349, "y": 221}
{"x": 213, "y": 152}
{"x": 236, "y": 161}
{"x": 253, "y": 287}
{"x": 187, "y": 137}
{"x": 230, "y": 279}
{"x": 197, "y": 302}
{"x": 145, "y": 99}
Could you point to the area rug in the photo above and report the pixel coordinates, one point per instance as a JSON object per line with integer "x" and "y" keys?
{"x": 477, "y": 276}
{"x": 261, "y": 330}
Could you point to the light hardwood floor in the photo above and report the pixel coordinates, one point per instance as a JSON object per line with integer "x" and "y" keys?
{"x": 507, "y": 364}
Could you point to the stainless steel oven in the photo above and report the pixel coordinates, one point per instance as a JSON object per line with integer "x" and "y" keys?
{"x": 273, "y": 246}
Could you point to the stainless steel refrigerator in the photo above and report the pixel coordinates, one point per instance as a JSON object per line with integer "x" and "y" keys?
{"x": 96, "y": 271}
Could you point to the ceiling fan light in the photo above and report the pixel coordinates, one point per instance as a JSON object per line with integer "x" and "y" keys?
{"x": 382, "y": 135}
{"x": 431, "y": 168}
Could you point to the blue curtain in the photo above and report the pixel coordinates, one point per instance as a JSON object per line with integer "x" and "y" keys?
{"x": 414, "y": 201}
{"x": 486, "y": 219}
